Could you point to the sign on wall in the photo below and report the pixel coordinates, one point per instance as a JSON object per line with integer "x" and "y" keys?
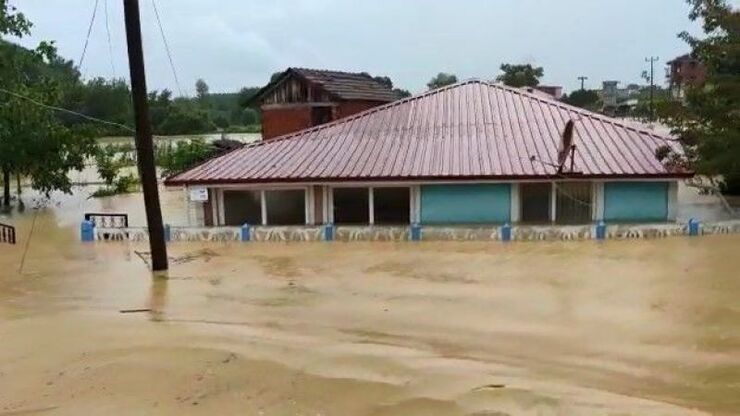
{"x": 199, "y": 194}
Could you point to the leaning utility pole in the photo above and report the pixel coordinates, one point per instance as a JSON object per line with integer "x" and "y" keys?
{"x": 583, "y": 80}
{"x": 144, "y": 145}
{"x": 652, "y": 61}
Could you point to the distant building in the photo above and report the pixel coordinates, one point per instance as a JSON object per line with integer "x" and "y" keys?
{"x": 553, "y": 91}
{"x": 685, "y": 71}
{"x": 301, "y": 98}
{"x": 612, "y": 95}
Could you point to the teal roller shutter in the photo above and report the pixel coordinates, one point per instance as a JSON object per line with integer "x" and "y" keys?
{"x": 466, "y": 204}
{"x": 635, "y": 201}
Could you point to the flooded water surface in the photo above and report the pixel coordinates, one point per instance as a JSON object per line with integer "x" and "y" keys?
{"x": 618, "y": 328}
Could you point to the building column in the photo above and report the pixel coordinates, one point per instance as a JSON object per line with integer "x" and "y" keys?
{"x": 415, "y": 204}
{"x": 597, "y": 211}
{"x": 218, "y": 216}
{"x": 553, "y": 202}
{"x": 515, "y": 210}
{"x": 329, "y": 205}
{"x": 263, "y": 207}
{"x": 672, "y": 200}
{"x": 371, "y": 205}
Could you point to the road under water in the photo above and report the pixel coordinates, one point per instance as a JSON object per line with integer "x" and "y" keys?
{"x": 482, "y": 328}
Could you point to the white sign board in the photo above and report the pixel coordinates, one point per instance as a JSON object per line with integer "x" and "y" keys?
{"x": 199, "y": 194}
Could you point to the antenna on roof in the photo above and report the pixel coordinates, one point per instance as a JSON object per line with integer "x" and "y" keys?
{"x": 567, "y": 147}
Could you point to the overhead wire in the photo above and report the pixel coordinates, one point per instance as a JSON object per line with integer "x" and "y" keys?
{"x": 89, "y": 31}
{"x": 72, "y": 112}
{"x": 110, "y": 45}
{"x": 166, "y": 47}
{"x": 64, "y": 110}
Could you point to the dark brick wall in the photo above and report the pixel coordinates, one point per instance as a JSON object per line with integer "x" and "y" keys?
{"x": 279, "y": 121}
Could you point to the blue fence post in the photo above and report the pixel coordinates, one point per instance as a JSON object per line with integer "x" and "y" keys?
{"x": 416, "y": 232}
{"x": 329, "y": 232}
{"x": 167, "y": 233}
{"x": 693, "y": 227}
{"x": 600, "y": 230}
{"x": 246, "y": 232}
{"x": 506, "y": 232}
{"x": 87, "y": 231}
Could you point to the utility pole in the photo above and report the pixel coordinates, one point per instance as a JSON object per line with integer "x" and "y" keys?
{"x": 583, "y": 80}
{"x": 652, "y": 60}
{"x": 144, "y": 145}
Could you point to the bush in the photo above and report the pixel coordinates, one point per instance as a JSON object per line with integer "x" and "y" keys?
{"x": 183, "y": 155}
{"x": 126, "y": 183}
{"x": 108, "y": 166}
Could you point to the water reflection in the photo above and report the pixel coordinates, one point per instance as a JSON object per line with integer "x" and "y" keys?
{"x": 158, "y": 296}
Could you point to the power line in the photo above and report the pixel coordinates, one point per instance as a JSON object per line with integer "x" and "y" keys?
{"x": 89, "y": 31}
{"x": 110, "y": 46}
{"x": 64, "y": 110}
{"x": 166, "y": 47}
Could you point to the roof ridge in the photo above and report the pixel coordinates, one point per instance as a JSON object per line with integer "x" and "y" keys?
{"x": 333, "y": 71}
{"x": 579, "y": 110}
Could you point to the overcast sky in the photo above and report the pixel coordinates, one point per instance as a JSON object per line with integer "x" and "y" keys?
{"x": 236, "y": 43}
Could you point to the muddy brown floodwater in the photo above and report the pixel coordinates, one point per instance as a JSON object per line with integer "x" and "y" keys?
{"x": 577, "y": 328}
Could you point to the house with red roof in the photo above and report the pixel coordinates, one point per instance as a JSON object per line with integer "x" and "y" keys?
{"x": 472, "y": 153}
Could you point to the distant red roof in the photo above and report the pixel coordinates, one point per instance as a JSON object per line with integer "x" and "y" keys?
{"x": 341, "y": 85}
{"x": 470, "y": 130}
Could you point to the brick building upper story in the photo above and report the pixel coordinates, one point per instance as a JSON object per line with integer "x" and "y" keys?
{"x": 684, "y": 71}
{"x": 301, "y": 98}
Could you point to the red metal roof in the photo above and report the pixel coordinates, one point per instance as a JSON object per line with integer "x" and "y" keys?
{"x": 470, "y": 130}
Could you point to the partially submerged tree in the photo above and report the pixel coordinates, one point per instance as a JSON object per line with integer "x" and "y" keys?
{"x": 708, "y": 121}
{"x": 520, "y": 75}
{"x": 440, "y": 80}
{"x": 33, "y": 141}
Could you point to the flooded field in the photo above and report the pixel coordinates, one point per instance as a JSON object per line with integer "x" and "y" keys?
{"x": 646, "y": 327}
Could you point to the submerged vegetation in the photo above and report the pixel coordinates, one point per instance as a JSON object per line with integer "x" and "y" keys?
{"x": 176, "y": 157}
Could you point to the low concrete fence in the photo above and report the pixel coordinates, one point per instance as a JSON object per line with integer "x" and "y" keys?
{"x": 246, "y": 233}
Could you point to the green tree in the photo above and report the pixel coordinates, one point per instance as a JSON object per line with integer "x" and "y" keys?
{"x": 183, "y": 155}
{"x": 108, "y": 100}
{"x": 520, "y": 75}
{"x": 107, "y": 164}
{"x": 588, "y": 99}
{"x": 385, "y": 81}
{"x": 13, "y": 22}
{"x": 401, "y": 93}
{"x": 440, "y": 80}
{"x": 185, "y": 117}
{"x": 708, "y": 121}
{"x": 33, "y": 141}
{"x": 201, "y": 90}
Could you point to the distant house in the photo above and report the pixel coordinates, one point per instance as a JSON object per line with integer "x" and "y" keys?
{"x": 683, "y": 72}
{"x": 301, "y": 98}
{"x": 469, "y": 153}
